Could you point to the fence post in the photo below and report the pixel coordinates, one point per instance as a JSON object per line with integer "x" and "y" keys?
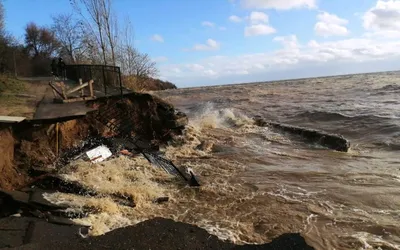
{"x": 104, "y": 80}
{"x": 120, "y": 80}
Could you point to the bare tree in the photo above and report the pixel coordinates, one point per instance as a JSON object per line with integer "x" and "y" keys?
{"x": 71, "y": 36}
{"x": 131, "y": 61}
{"x": 1, "y": 18}
{"x": 134, "y": 63}
{"x": 110, "y": 27}
{"x": 143, "y": 66}
{"x": 40, "y": 41}
{"x": 103, "y": 23}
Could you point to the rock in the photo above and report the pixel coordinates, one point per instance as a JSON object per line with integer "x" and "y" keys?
{"x": 177, "y": 123}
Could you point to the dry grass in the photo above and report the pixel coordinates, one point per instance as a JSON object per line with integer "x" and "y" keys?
{"x": 19, "y": 98}
{"x": 146, "y": 84}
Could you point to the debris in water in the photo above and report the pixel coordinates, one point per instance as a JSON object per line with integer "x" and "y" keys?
{"x": 99, "y": 154}
{"x": 161, "y": 199}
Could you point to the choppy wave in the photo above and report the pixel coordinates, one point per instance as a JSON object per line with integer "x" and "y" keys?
{"x": 337, "y": 116}
{"x": 263, "y": 184}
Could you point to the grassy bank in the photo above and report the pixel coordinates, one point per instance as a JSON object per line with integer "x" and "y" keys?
{"x": 19, "y": 98}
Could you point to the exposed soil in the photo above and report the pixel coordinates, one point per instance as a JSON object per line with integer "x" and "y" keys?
{"x": 9, "y": 177}
{"x": 29, "y": 146}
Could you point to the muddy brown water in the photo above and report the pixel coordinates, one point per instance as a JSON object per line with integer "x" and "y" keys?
{"x": 259, "y": 183}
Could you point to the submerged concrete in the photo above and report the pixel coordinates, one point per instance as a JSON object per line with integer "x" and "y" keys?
{"x": 332, "y": 141}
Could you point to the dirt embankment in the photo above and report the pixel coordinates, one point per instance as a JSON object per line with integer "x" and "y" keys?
{"x": 9, "y": 177}
{"x": 29, "y": 148}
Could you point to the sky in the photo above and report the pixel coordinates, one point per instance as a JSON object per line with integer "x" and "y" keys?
{"x": 212, "y": 42}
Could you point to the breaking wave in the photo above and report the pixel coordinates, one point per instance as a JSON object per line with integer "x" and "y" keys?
{"x": 206, "y": 116}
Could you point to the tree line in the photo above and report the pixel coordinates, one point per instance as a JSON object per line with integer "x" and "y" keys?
{"x": 92, "y": 34}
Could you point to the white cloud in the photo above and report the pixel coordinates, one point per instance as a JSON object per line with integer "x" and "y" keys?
{"x": 210, "y": 72}
{"x": 222, "y": 28}
{"x": 258, "y": 30}
{"x": 208, "y": 24}
{"x": 209, "y": 45}
{"x": 383, "y": 19}
{"x": 278, "y": 4}
{"x": 157, "y": 38}
{"x": 235, "y": 19}
{"x": 195, "y": 67}
{"x": 258, "y": 25}
{"x": 377, "y": 49}
{"x": 337, "y": 56}
{"x": 288, "y": 42}
{"x": 330, "y": 25}
{"x": 258, "y": 17}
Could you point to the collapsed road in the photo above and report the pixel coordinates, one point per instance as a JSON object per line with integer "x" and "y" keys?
{"x": 35, "y": 151}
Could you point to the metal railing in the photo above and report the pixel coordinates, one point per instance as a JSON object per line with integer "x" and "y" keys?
{"x": 107, "y": 79}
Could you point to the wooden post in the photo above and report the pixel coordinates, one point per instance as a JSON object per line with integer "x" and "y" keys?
{"x": 91, "y": 88}
{"x": 82, "y": 90}
{"x": 63, "y": 91}
{"x": 57, "y": 139}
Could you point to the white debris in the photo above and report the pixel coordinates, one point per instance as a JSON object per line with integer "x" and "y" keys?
{"x": 99, "y": 154}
